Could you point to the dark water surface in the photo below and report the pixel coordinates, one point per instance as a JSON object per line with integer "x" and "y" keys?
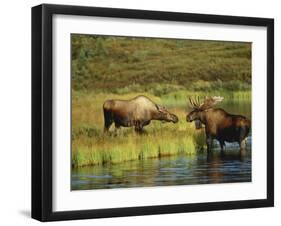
{"x": 228, "y": 167}
{"x": 178, "y": 170}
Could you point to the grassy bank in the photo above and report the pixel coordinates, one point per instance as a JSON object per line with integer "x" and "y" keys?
{"x": 90, "y": 146}
{"x": 180, "y": 98}
{"x": 130, "y": 146}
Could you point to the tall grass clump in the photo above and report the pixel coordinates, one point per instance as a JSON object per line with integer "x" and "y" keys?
{"x": 134, "y": 147}
{"x": 148, "y": 150}
{"x": 114, "y": 149}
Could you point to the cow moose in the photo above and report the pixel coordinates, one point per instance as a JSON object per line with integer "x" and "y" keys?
{"x": 136, "y": 112}
{"x": 219, "y": 124}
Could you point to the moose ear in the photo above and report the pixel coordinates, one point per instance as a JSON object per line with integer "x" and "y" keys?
{"x": 157, "y": 107}
{"x": 160, "y": 108}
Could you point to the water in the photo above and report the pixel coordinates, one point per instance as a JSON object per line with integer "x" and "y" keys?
{"x": 178, "y": 170}
{"x": 227, "y": 167}
{"x": 239, "y": 108}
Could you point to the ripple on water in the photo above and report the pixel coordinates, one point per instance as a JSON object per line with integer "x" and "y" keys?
{"x": 178, "y": 170}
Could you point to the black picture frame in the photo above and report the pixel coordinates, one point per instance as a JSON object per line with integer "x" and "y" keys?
{"x": 42, "y": 107}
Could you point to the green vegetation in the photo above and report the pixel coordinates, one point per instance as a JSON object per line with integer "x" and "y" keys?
{"x": 167, "y": 71}
{"x": 158, "y": 66}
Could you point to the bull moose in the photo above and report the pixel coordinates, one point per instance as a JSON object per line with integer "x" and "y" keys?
{"x": 219, "y": 124}
{"x": 136, "y": 112}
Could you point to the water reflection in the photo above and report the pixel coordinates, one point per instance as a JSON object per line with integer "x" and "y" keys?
{"x": 179, "y": 170}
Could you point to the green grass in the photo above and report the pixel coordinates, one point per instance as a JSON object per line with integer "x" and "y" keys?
{"x": 180, "y": 98}
{"x": 120, "y": 148}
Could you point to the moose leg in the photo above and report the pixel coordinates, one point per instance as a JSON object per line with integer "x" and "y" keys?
{"x": 242, "y": 139}
{"x": 222, "y": 144}
{"x": 107, "y": 124}
{"x": 242, "y": 144}
{"x": 209, "y": 142}
{"x": 107, "y": 120}
{"x": 138, "y": 126}
{"x": 117, "y": 128}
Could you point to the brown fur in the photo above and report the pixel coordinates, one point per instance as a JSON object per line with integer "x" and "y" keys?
{"x": 136, "y": 112}
{"x": 222, "y": 126}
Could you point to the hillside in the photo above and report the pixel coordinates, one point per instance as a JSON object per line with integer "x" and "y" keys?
{"x": 122, "y": 64}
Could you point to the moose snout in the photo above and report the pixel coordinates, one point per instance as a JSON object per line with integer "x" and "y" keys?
{"x": 175, "y": 119}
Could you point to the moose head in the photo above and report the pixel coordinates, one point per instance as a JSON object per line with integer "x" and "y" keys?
{"x": 165, "y": 115}
{"x": 199, "y": 108}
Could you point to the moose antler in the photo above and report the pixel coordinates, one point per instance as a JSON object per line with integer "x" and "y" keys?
{"x": 207, "y": 103}
{"x": 194, "y": 103}
{"x": 210, "y": 102}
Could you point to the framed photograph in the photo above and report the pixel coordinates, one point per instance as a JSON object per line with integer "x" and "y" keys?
{"x": 145, "y": 112}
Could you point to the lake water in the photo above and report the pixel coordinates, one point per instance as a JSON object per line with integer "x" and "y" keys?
{"x": 178, "y": 170}
{"x": 227, "y": 167}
